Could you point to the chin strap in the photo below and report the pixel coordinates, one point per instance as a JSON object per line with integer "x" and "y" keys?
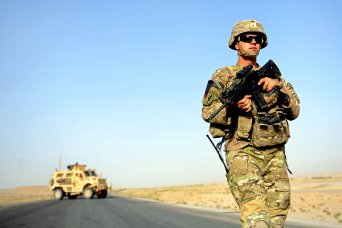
{"x": 242, "y": 53}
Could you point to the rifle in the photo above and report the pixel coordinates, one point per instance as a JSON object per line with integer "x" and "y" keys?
{"x": 247, "y": 84}
{"x": 218, "y": 148}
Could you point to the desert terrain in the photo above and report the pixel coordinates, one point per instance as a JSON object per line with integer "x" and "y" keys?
{"x": 314, "y": 198}
{"x": 24, "y": 194}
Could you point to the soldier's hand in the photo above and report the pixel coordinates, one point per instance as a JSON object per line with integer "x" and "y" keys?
{"x": 268, "y": 83}
{"x": 245, "y": 103}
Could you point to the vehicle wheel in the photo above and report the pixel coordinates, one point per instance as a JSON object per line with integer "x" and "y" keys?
{"x": 58, "y": 194}
{"x": 72, "y": 196}
{"x": 102, "y": 194}
{"x": 88, "y": 193}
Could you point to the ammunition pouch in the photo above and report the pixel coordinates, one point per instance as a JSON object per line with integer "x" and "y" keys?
{"x": 263, "y": 129}
{"x": 269, "y": 130}
{"x": 244, "y": 127}
{"x": 268, "y": 119}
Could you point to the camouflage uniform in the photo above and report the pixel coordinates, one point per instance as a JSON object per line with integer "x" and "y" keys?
{"x": 255, "y": 151}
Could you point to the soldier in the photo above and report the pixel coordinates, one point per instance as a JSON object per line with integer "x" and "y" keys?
{"x": 255, "y": 146}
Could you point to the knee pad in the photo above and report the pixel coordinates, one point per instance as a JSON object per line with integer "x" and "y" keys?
{"x": 258, "y": 219}
{"x": 261, "y": 224}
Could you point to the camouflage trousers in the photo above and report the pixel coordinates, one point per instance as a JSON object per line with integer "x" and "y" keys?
{"x": 259, "y": 182}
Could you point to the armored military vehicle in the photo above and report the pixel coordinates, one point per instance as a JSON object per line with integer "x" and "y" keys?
{"x": 77, "y": 180}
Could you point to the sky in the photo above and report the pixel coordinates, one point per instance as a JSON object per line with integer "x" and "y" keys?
{"x": 118, "y": 85}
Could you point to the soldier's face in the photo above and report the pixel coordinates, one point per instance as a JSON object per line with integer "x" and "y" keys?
{"x": 249, "y": 44}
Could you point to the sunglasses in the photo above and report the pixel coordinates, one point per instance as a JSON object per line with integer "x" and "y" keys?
{"x": 249, "y": 39}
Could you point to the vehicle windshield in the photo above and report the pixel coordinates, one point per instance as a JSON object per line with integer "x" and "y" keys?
{"x": 90, "y": 172}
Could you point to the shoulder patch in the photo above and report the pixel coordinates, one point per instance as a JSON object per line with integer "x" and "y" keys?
{"x": 214, "y": 88}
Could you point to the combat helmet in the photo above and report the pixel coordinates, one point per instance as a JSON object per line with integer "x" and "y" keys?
{"x": 247, "y": 26}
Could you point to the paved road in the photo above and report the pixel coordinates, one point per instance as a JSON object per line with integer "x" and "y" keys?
{"x": 114, "y": 212}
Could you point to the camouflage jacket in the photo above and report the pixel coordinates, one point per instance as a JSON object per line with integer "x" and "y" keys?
{"x": 243, "y": 129}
